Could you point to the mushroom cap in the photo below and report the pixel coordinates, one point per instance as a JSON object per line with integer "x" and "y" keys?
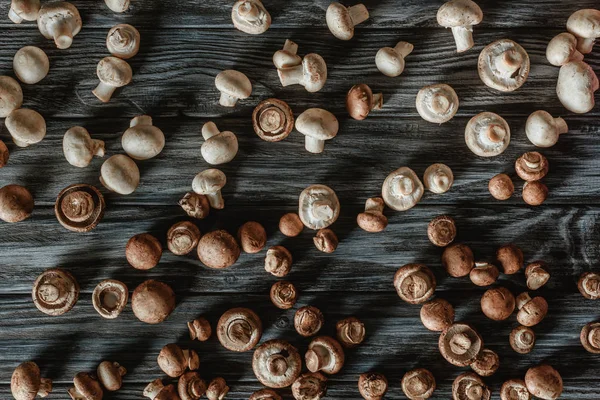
{"x": 537, "y": 275}
{"x": 340, "y": 22}
{"x": 191, "y": 386}
{"x": 123, "y": 41}
{"x": 143, "y": 251}
{"x": 26, "y": 381}
{"x": 152, "y": 301}
{"x": 326, "y": 240}
{"x": 174, "y": 361}
{"x": 142, "y": 142}
{"x": 4, "y": 154}
{"x": 291, "y": 225}
{"x": 314, "y": 73}
{"x": 414, "y": 283}
{"x": 544, "y": 381}
{"x": 218, "y": 250}
{"x": 402, "y": 189}
{"x": 16, "y": 203}
{"x": 283, "y": 295}
{"x": 360, "y": 101}
{"x": 114, "y": 71}
{"x": 61, "y": 13}
{"x": 487, "y": 363}
{"x": 470, "y": 386}
{"x": 11, "y": 96}
{"x": 250, "y": 16}
{"x": 458, "y": 260}
{"x": 585, "y": 23}
{"x": 325, "y": 349}
{"x": 79, "y": 207}
{"x": 459, "y": 13}
{"x": 79, "y": 148}
{"x": 220, "y": 149}
{"x": 310, "y": 386}
{"x": 273, "y": 120}
{"x": 120, "y": 174}
{"x": 542, "y": 129}
{"x": 110, "y": 298}
{"x": 26, "y": 127}
{"x": 418, "y": 384}
{"x": 217, "y": 389}
{"x": 438, "y": 178}
{"x": 234, "y": 84}
{"x": 110, "y": 374}
{"x": 195, "y": 205}
{"x": 308, "y": 321}
{"x": 319, "y": 207}
{"x": 239, "y": 329}
{"x": 460, "y": 344}
{"x": 183, "y": 237}
{"x": 535, "y": 193}
{"x": 532, "y": 166}
{"x": 276, "y": 364}
{"x": 484, "y": 274}
{"x": 318, "y": 123}
{"x": 117, "y": 6}
{"x": 589, "y": 285}
{"x": 522, "y": 339}
{"x": 590, "y": 337}
{"x": 510, "y": 257}
{"x": 514, "y": 389}
{"x": 55, "y": 291}
{"x": 487, "y": 134}
{"x": 88, "y": 387}
{"x": 390, "y": 61}
{"x": 372, "y": 222}
{"x": 25, "y": 9}
{"x": 501, "y": 187}
{"x": 350, "y": 332}
{"x": 577, "y": 83}
{"x": 504, "y": 65}
{"x": 441, "y": 231}
{"x": 437, "y": 103}
{"x": 265, "y": 394}
{"x": 372, "y": 385}
{"x": 209, "y": 181}
{"x": 561, "y": 49}
{"x": 498, "y": 304}
{"x": 533, "y": 311}
{"x": 31, "y": 64}
{"x": 437, "y": 315}
{"x": 278, "y": 261}
{"x": 200, "y": 329}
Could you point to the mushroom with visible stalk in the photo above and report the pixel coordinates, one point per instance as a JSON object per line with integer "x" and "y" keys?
{"x": 111, "y": 374}
{"x": 218, "y": 147}
{"x": 585, "y": 25}
{"x": 291, "y": 225}
{"x": 543, "y": 130}
{"x": 120, "y": 174}
{"x": 458, "y": 260}
{"x": 487, "y": 363}
{"x": 326, "y": 240}
{"x": 577, "y": 83}
{"x": 537, "y": 275}
{"x": 26, "y": 382}
{"x": 59, "y": 20}
{"x": 470, "y": 386}
{"x": 437, "y": 103}
{"x": 460, "y": 344}
{"x": 441, "y": 231}
{"x": 250, "y": 16}
{"x": 200, "y": 329}
{"x": 239, "y": 329}
{"x": 16, "y": 203}
{"x": 544, "y": 382}
{"x": 233, "y": 86}
{"x": 590, "y": 337}
{"x": 514, "y": 389}
{"x": 283, "y": 295}
{"x": 195, "y": 205}
{"x": 218, "y": 250}
{"x": 209, "y": 183}
{"x": 174, "y": 361}
{"x": 273, "y": 120}
{"x": 217, "y": 389}
{"x": 152, "y": 301}
{"x": 113, "y": 73}
{"x": 79, "y": 207}
{"x": 484, "y": 274}
{"x": 55, "y": 292}
{"x": 414, "y": 283}
{"x": 308, "y": 321}
{"x": 563, "y": 49}
{"x": 252, "y": 237}
{"x": 142, "y": 140}
{"x": 79, "y": 148}
{"x": 510, "y": 257}
{"x": 504, "y": 65}
{"x": 191, "y": 386}
{"x": 310, "y": 386}
{"x": 324, "y": 354}
{"x": 460, "y": 16}
{"x": 21, "y": 10}
{"x": 589, "y": 285}
{"x": 4, "y": 154}
{"x": 109, "y": 298}
{"x": 182, "y": 238}
{"x": 402, "y": 189}
{"x": 522, "y": 339}
{"x": 373, "y": 220}
{"x": 156, "y": 390}
{"x": 143, "y": 251}
{"x": 532, "y": 166}
{"x": 317, "y": 125}
{"x": 350, "y": 332}
{"x": 123, "y": 41}
{"x": 390, "y": 60}
{"x": 372, "y": 385}
{"x": 85, "y": 386}
{"x": 418, "y": 384}
{"x": 341, "y": 20}
{"x": 438, "y": 178}
{"x": 535, "y": 193}
{"x": 11, "y": 95}
{"x": 487, "y": 134}
{"x": 437, "y": 315}
{"x": 531, "y": 311}
{"x": 278, "y": 261}
{"x": 265, "y": 394}
{"x": 501, "y": 187}
{"x": 498, "y": 304}
{"x": 318, "y": 207}
{"x": 287, "y": 57}
{"x": 360, "y": 101}
{"x": 26, "y": 127}
{"x": 276, "y": 364}
{"x": 31, "y": 64}
{"x": 118, "y": 6}
{"x": 311, "y": 73}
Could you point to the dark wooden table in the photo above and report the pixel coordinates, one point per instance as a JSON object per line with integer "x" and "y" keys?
{"x": 184, "y": 45}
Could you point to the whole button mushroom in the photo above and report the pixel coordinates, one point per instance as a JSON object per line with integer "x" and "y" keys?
{"x": 308, "y": 321}
{"x": 123, "y": 41}
{"x": 319, "y": 207}
{"x": 510, "y": 257}
{"x": 437, "y": 315}
{"x": 16, "y": 203}
{"x": 250, "y": 16}
{"x": 26, "y": 382}
{"x": 372, "y": 385}
{"x": 79, "y": 207}
{"x": 85, "y": 386}
{"x": 110, "y": 298}
{"x": 324, "y": 354}
{"x": 535, "y": 193}
{"x": 585, "y": 24}
{"x": 273, "y": 120}
{"x": 283, "y": 295}
{"x": 174, "y": 361}
{"x": 498, "y": 304}
{"x": 350, "y": 332}
{"x": 577, "y": 83}
{"x": 20, "y": 10}
{"x": 487, "y": 363}
{"x": 288, "y": 56}
{"x": 199, "y": 329}
{"x": 276, "y": 364}
{"x": 311, "y": 73}
{"x": 504, "y": 65}
{"x": 326, "y": 240}
{"x": 531, "y": 311}
{"x": 360, "y": 101}
{"x": 4, "y": 154}
{"x": 514, "y": 389}
{"x": 414, "y": 283}
{"x": 460, "y": 16}
{"x": 26, "y": 127}
{"x": 113, "y": 73}
{"x": 233, "y": 86}
{"x": 79, "y": 148}
{"x": 217, "y": 389}
{"x": 341, "y": 20}
{"x": 191, "y": 386}
{"x": 153, "y": 301}
{"x": 195, "y": 205}
{"x": 532, "y": 166}
{"x": 390, "y": 61}
{"x": 55, "y": 292}
{"x": 460, "y": 344}
{"x": 402, "y": 189}
{"x": 544, "y": 382}
{"x": 218, "y": 147}
{"x": 458, "y": 260}
{"x": 111, "y": 374}
{"x": 11, "y": 95}
{"x": 278, "y": 261}
{"x": 209, "y": 183}
{"x": 501, "y": 187}
{"x": 120, "y": 174}
{"x": 317, "y": 125}
{"x": 589, "y": 285}
{"x": 437, "y": 103}
{"x": 418, "y": 384}
{"x": 441, "y": 231}
{"x": 143, "y": 140}
{"x": 487, "y": 134}
{"x": 31, "y": 64}
{"x": 438, "y": 178}
{"x": 470, "y": 386}
{"x": 182, "y": 238}
{"x": 59, "y": 20}
{"x": 239, "y": 329}
{"x": 310, "y": 386}
{"x": 484, "y": 274}
{"x": 218, "y": 250}
{"x": 537, "y": 275}
{"x": 590, "y": 337}
{"x": 543, "y": 130}
{"x": 118, "y": 6}
{"x": 143, "y": 251}
{"x": 522, "y": 339}
{"x": 563, "y": 49}
{"x": 156, "y": 390}
{"x": 265, "y": 394}
{"x": 291, "y": 225}
{"x": 373, "y": 220}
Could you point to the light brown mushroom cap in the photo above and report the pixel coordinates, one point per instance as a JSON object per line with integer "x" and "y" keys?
{"x": 414, "y": 283}
{"x": 585, "y": 24}
{"x": 589, "y": 285}
{"x": 590, "y": 337}
{"x": 543, "y": 130}
{"x": 153, "y": 301}
{"x": 217, "y": 389}
{"x": 531, "y": 311}
{"x": 441, "y": 230}
{"x": 273, "y": 120}
{"x": 402, "y": 189}
{"x": 544, "y": 382}
{"x": 20, "y": 10}
{"x": 437, "y": 315}
{"x": 484, "y": 274}
{"x": 123, "y": 41}
{"x": 250, "y": 16}
{"x": 390, "y": 60}
{"x": 372, "y": 385}
{"x": 55, "y": 291}
{"x": 577, "y": 83}
{"x": 183, "y": 237}
{"x": 218, "y": 250}
{"x": 324, "y": 354}
{"x": 143, "y": 251}
{"x": 239, "y": 329}
{"x": 437, "y": 103}
{"x": 311, "y": 73}
{"x": 470, "y": 386}
{"x": 360, "y": 100}
{"x": 31, "y": 64}
{"x": 195, "y": 205}
{"x": 276, "y": 364}
{"x": 110, "y": 298}
{"x": 504, "y": 65}
{"x": 265, "y": 394}
{"x": 308, "y": 321}
{"x": 11, "y": 96}
{"x": 460, "y": 16}
{"x": 498, "y": 304}
{"x": 460, "y": 344}
{"x": 501, "y": 187}
{"x": 199, "y": 329}
{"x": 283, "y": 295}
{"x": 458, "y": 260}
{"x": 233, "y": 86}
{"x": 218, "y": 147}
{"x": 120, "y": 174}
{"x": 317, "y": 125}
{"x": 537, "y": 275}
{"x": 487, "y": 363}
{"x": 310, "y": 386}
{"x": 85, "y": 387}
{"x": 418, "y": 384}
{"x": 278, "y": 261}
{"x": 319, "y": 207}
{"x": 350, "y": 332}
{"x": 59, "y": 20}
{"x": 514, "y": 389}
{"x": 535, "y": 193}
{"x": 4, "y": 154}
{"x": 438, "y": 178}
{"x": 16, "y": 203}
{"x": 191, "y": 386}
{"x": 342, "y": 20}
{"x": 79, "y": 148}
{"x": 563, "y": 49}
{"x": 373, "y": 220}
{"x": 522, "y": 339}
{"x": 209, "y": 183}
{"x": 26, "y": 382}
{"x": 510, "y": 258}
{"x": 291, "y": 225}
{"x": 326, "y": 240}
{"x": 174, "y": 361}
{"x": 532, "y": 166}
{"x": 110, "y": 374}
{"x": 487, "y": 134}
{"x": 113, "y": 73}
{"x": 142, "y": 140}
{"x": 26, "y": 127}
{"x": 117, "y": 6}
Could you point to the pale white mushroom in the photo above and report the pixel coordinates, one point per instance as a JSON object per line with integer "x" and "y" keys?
{"x": 123, "y": 41}
{"x": 317, "y": 125}
{"x": 543, "y": 130}
{"x": 23, "y": 10}
{"x": 585, "y": 24}
{"x": 311, "y": 73}
{"x": 79, "y": 148}
{"x": 120, "y": 174}
{"x": 402, "y": 189}
{"x": 504, "y": 65}
{"x": 577, "y": 83}
{"x": 26, "y": 127}
{"x": 31, "y": 64}
{"x": 487, "y": 134}
{"x": 438, "y": 178}
{"x": 342, "y": 20}
{"x": 318, "y": 207}
{"x": 117, "y": 6}
{"x": 11, "y": 96}
{"x": 437, "y": 103}
{"x": 219, "y": 147}
{"x": 143, "y": 140}
{"x": 233, "y": 86}
{"x": 287, "y": 57}
{"x": 113, "y": 73}
{"x": 562, "y": 49}
{"x": 460, "y": 16}
{"x": 209, "y": 183}
{"x": 390, "y": 60}
{"x": 250, "y": 16}
{"x": 59, "y": 20}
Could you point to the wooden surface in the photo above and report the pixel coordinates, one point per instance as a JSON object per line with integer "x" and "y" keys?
{"x": 184, "y": 45}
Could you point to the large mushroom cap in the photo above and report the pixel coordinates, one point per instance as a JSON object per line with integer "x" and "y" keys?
{"x": 233, "y": 83}
{"x": 120, "y": 174}
{"x": 11, "y": 96}
{"x": 239, "y": 329}
{"x": 514, "y": 389}
{"x": 544, "y": 382}
{"x": 415, "y": 283}
{"x": 152, "y": 301}
{"x": 456, "y": 13}
{"x": 341, "y": 20}
{"x": 317, "y": 123}
{"x": 470, "y": 386}
{"x": 325, "y": 354}
{"x": 402, "y": 189}
{"x": 319, "y": 207}
{"x": 143, "y": 140}
{"x": 504, "y": 65}
{"x": 276, "y": 364}
{"x": 562, "y": 49}
{"x": 590, "y": 337}
{"x": 577, "y": 83}
{"x": 437, "y": 103}
{"x": 123, "y": 41}
{"x": 585, "y": 24}
{"x": 498, "y": 303}
{"x": 114, "y": 71}
{"x": 16, "y": 203}
{"x": 218, "y": 250}
{"x": 20, "y": 10}
{"x": 59, "y": 20}
{"x": 460, "y": 344}
{"x": 174, "y": 361}
{"x": 26, "y": 382}
{"x": 26, "y": 127}
{"x": 31, "y": 64}
{"x": 487, "y": 134}
{"x": 273, "y": 120}
{"x": 110, "y": 374}
{"x": 418, "y": 384}
{"x": 55, "y": 292}
{"x": 79, "y": 207}
{"x": 219, "y": 148}
{"x": 250, "y": 16}
{"x": 543, "y": 130}
{"x": 310, "y": 386}
{"x": 437, "y": 315}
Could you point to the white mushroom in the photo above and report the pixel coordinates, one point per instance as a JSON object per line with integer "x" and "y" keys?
{"x": 143, "y": 140}
{"x": 120, "y": 174}
{"x": 11, "y": 96}
{"x": 25, "y": 126}
{"x": 319, "y": 207}
{"x": 60, "y": 21}
{"x": 504, "y": 65}
{"x": 250, "y": 16}
{"x": 437, "y": 103}
{"x": 123, "y": 41}
{"x": 117, "y": 6}
{"x": 113, "y": 73}
{"x": 79, "y": 148}
{"x": 23, "y": 10}
{"x": 487, "y": 134}
{"x": 585, "y": 24}
{"x": 402, "y": 189}
{"x": 577, "y": 83}
{"x": 219, "y": 147}
{"x": 287, "y": 57}
{"x": 209, "y": 183}
{"x": 311, "y": 73}
{"x": 438, "y": 178}
{"x": 460, "y": 16}
{"x": 31, "y": 64}
{"x": 543, "y": 130}
{"x": 390, "y": 60}
{"x": 562, "y": 49}
{"x": 233, "y": 86}
{"x": 317, "y": 125}
{"x": 342, "y": 20}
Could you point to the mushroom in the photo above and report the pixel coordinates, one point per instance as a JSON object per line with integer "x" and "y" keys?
{"x": 79, "y": 207}
{"x": 324, "y": 354}
{"x": 484, "y": 274}
{"x": 437, "y": 103}
{"x": 414, "y": 283}
{"x": 113, "y": 73}
{"x": 535, "y": 193}
{"x": 544, "y": 381}
{"x": 310, "y": 386}
{"x": 390, "y": 61}
{"x": 120, "y": 174}
{"x": 278, "y": 261}
{"x": 531, "y": 311}
{"x": 522, "y": 339}
{"x": 287, "y": 57}
{"x": 218, "y": 250}
{"x": 577, "y": 83}
{"x": 26, "y": 382}
{"x": 537, "y": 275}
{"x": 109, "y": 298}
{"x": 79, "y": 148}
{"x": 20, "y": 10}
{"x": 372, "y": 385}
{"x": 438, "y": 178}
{"x": 510, "y": 257}
{"x": 273, "y": 120}
{"x": 250, "y": 16}
{"x": 85, "y": 387}
{"x": 291, "y": 225}
{"x": 589, "y": 285}
{"x": 458, "y": 260}
{"x": 441, "y": 231}
{"x": 326, "y": 240}
{"x": 200, "y": 329}
{"x": 252, "y": 237}
{"x": 265, "y": 394}
{"x": 123, "y": 41}
{"x": 111, "y": 374}
{"x": 142, "y": 140}
{"x": 501, "y": 187}
{"x": 182, "y": 238}
{"x": 350, "y": 332}
{"x": 498, "y": 304}
{"x": 276, "y": 364}
{"x": 191, "y": 386}
{"x": 437, "y": 315}
{"x": 342, "y": 20}
{"x": 563, "y": 49}
{"x": 319, "y": 207}
{"x": 514, "y": 389}
{"x": 317, "y": 125}
{"x": 152, "y": 301}
{"x": 4, "y": 154}
{"x": 360, "y": 101}
{"x": 470, "y": 386}
{"x": 209, "y": 183}
{"x": 239, "y": 329}
{"x": 233, "y": 86}
{"x": 585, "y": 24}
{"x": 543, "y": 130}
{"x": 418, "y": 384}
{"x": 311, "y": 73}
{"x": 460, "y": 344}
{"x": 590, "y": 337}
{"x": 143, "y": 251}
{"x": 31, "y": 64}
{"x": 531, "y": 166}
{"x": 283, "y": 295}
{"x": 59, "y": 20}
{"x": 55, "y": 292}
{"x": 218, "y": 147}
{"x": 26, "y": 127}
{"x": 487, "y": 134}
{"x": 460, "y": 16}
{"x": 174, "y": 361}
{"x": 117, "y": 6}
{"x": 11, "y": 96}
{"x": 195, "y": 205}
{"x": 156, "y": 390}
{"x": 217, "y": 389}
{"x": 308, "y": 321}
{"x": 373, "y": 220}
{"x": 402, "y": 189}
{"x": 16, "y": 203}
{"x": 487, "y": 363}
{"x": 504, "y": 65}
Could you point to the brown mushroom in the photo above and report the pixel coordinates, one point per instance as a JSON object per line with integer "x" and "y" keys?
{"x": 522, "y": 339}
{"x": 418, "y": 384}
{"x": 470, "y": 386}
{"x": 308, "y": 321}
{"x": 373, "y": 220}
{"x": 458, "y": 260}
{"x": 544, "y": 381}
{"x": 252, "y": 237}
{"x": 111, "y": 374}
{"x": 514, "y": 389}
{"x": 182, "y": 238}
{"x": 372, "y": 385}
{"x": 191, "y": 386}
{"x": 326, "y": 240}
{"x": 310, "y": 386}
{"x": 283, "y": 295}
{"x": 199, "y": 329}
{"x": 531, "y": 311}
{"x": 110, "y": 298}
{"x": 291, "y": 225}
{"x": 532, "y": 166}
{"x": 484, "y": 274}
{"x": 437, "y": 315}
{"x": 265, "y": 394}
{"x": 174, "y": 361}
{"x": 239, "y": 329}
{"x": 590, "y": 337}
{"x": 79, "y": 207}
{"x": 589, "y": 285}
{"x": 16, "y": 203}
{"x": 487, "y": 363}
{"x": 156, "y": 390}
{"x": 278, "y": 261}
{"x": 217, "y": 389}
{"x": 26, "y": 382}
{"x": 85, "y": 386}
{"x": 143, "y": 251}
{"x": 510, "y": 258}
{"x": 273, "y": 120}
{"x": 460, "y": 344}
{"x": 324, "y": 354}
{"x": 498, "y": 304}
{"x": 4, "y": 154}
{"x": 360, "y": 101}
{"x": 414, "y": 283}
{"x": 350, "y": 332}
{"x": 537, "y": 275}
{"x": 55, "y": 291}
{"x": 218, "y": 250}
{"x": 153, "y": 301}
{"x": 501, "y": 187}
{"x": 276, "y": 364}
{"x": 535, "y": 193}
{"x": 441, "y": 231}
{"x": 195, "y": 205}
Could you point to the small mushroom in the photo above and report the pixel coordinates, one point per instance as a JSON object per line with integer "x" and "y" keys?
{"x": 360, "y": 101}
{"x": 535, "y": 193}
{"x": 191, "y": 386}
{"x": 324, "y": 354}
{"x": 265, "y": 394}
{"x": 390, "y": 60}
{"x": 458, "y": 260}
{"x": 113, "y": 73}
{"x": 543, "y": 130}
{"x": 59, "y": 20}
{"x": 310, "y": 386}
{"x": 20, "y": 10}
{"x": 537, "y": 275}
{"x": 438, "y": 178}
{"x": 484, "y": 274}
{"x": 174, "y": 361}
{"x": 276, "y": 364}
{"x": 120, "y": 174}
{"x": 26, "y": 127}
{"x": 441, "y": 231}
{"x": 532, "y": 166}
{"x": 182, "y": 238}
{"x": 510, "y": 257}
{"x": 85, "y": 387}
{"x": 283, "y": 295}
{"x": 118, "y": 6}
{"x": 233, "y": 86}
{"x": 152, "y": 301}
{"x": 470, "y": 386}
{"x": 437, "y": 315}
{"x": 563, "y": 49}
{"x": 487, "y": 363}
{"x": 55, "y": 292}
{"x": 504, "y": 65}
{"x": 273, "y": 120}
{"x": 156, "y": 390}
{"x": 341, "y": 20}
{"x": 487, "y": 134}
{"x": 26, "y": 382}
{"x": 372, "y": 385}
{"x": 11, "y": 95}
{"x": 252, "y": 237}
{"x": 460, "y": 344}
{"x": 308, "y": 321}
{"x": 437, "y": 103}
{"x": 209, "y": 183}
{"x": 79, "y": 207}
{"x": 142, "y": 140}
{"x": 109, "y": 298}
{"x": 111, "y": 374}
{"x": 414, "y": 283}
{"x": 326, "y": 240}
{"x": 143, "y": 251}
{"x": 311, "y": 73}
{"x": 218, "y": 147}
{"x": 373, "y": 220}
{"x": 278, "y": 261}
{"x": 402, "y": 189}
{"x": 585, "y": 24}
{"x": 460, "y": 16}
{"x": 544, "y": 381}
{"x": 522, "y": 339}
{"x": 16, "y": 203}
{"x": 514, "y": 389}
{"x": 218, "y": 250}
{"x": 501, "y": 187}
{"x": 418, "y": 384}
{"x": 217, "y": 389}
{"x": 531, "y": 311}
{"x": 589, "y": 285}
{"x": 79, "y": 148}
{"x": 288, "y": 56}
{"x": 577, "y": 83}
{"x": 498, "y": 304}
{"x": 350, "y": 332}
{"x": 239, "y": 329}
{"x": 200, "y": 329}
{"x": 123, "y": 41}
{"x": 291, "y": 225}
{"x": 319, "y": 207}
{"x": 317, "y": 125}
{"x": 590, "y": 337}
{"x": 250, "y": 16}
{"x": 195, "y": 205}
{"x": 4, "y": 154}
{"x": 31, "y": 64}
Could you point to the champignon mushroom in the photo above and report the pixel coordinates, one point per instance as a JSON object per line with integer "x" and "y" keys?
{"x": 79, "y": 207}
{"x": 55, "y": 291}
{"x": 350, "y": 332}
{"x": 504, "y": 65}
{"x": 209, "y": 183}
{"x": 59, "y": 20}
{"x": 276, "y": 364}
{"x": 577, "y": 83}
{"x": 372, "y": 385}
{"x": 26, "y": 382}
{"x": 113, "y": 73}
{"x": 537, "y": 275}
{"x": 402, "y": 189}
{"x": 438, "y": 178}
{"x": 233, "y": 86}
{"x": 311, "y": 73}
{"x": 174, "y": 361}
{"x": 414, "y": 283}
{"x": 195, "y": 205}
{"x": 156, "y": 390}
{"x": 498, "y": 304}
{"x": 522, "y": 339}
{"x": 317, "y": 125}
{"x": 563, "y": 49}
{"x": 544, "y": 381}
{"x": 437, "y": 103}
{"x": 341, "y": 20}
{"x": 460, "y": 16}
{"x": 111, "y": 374}
{"x": 252, "y": 237}
{"x": 239, "y": 329}
{"x": 501, "y": 187}
{"x": 283, "y": 295}
{"x": 278, "y": 261}
{"x": 123, "y": 41}
{"x": 143, "y": 251}
{"x": 543, "y": 130}
{"x": 20, "y": 10}
{"x": 118, "y": 6}
{"x": 182, "y": 238}
{"x": 441, "y": 231}
{"x": 510, "y": 257}
{"x": 308, "y": 321}
{"x": 514, "y": 389}
{"x": 200, "y": 329}
{"x": 460, "y": 344}
{"x": 291, "y": 225}
{"x": 288, "y": 56}
{"x": 418, "y": 384}
{"x": 79, "y": 148}
{"x": 85, "y": 386}
{"x": 310, "y": 386}
{"x": 250, "y": 16}
{"x": 324, "y": 354}
{"x": 326, "y": 240}
{"x": 458, "y": 260}
{"x": 217, "y": 389}
{"x": 218, "y": 250}
{"x": 265, "y": 394}
{"x": 487, "y": 134}
{"x": 4, "y": 154}
{"x": 16, "y": 203}
{"x": 470, "y": 386}
{"x": 484, "y": 274}
{"x": 218, "y": 147}
{"x": 273, "y": 120}
{"x": 120, "y": 174}
{"x": 110, "y": 298}
{"x": 531, "y": 166}
{"x": 390, "y": 61}
{"x": 31, "y": 64}
{"x": 531, "y": 311}
{"x": 487, "y": 363}
{"x": 191, "y": 386}
{"x": 26, "y": 127}
{"x": 590, "y": 337}
{"x": 319, "y": 207}
{"x": 535, "y": 193}
{"x": 589, "y": 285}
{"x": 11, "y": 95}
{"x": 153, "y": 301}
{"x": 585, "y": 24}
{"x": 360, "y": 101}
{"x": 437, "y": 315}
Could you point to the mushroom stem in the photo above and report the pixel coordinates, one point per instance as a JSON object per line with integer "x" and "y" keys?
{"x": 45, "y": 387}
{"x": 62, "y": 34}
{"x": 316, "y": 358}
{"x": 463, "y": 36}
{"x": 291, "y": 76}
{"x": 227, "y": 100}
{"x": 358, "y": 14}
{"x": 404, "y": 48}
{"x": 561, "y": 125}
{"x": 209, "y": 130}
{"x": 249, "y": 11}
{"x": 374, "y": 206}
{"x": 585, "y": 45}
{"x": 493, "y": 135}
{"x": 290, "y": 47}
{"x": 141, "y": 120}
{"x": 14, "y": 17}
{"x": 153, "y": 389}
{"x": 314, "y": 145}
{"x": 509, "y": 62}
{"x": 104, "y": 92}
{"x": 377, "y": 101}
{"x": 216, "y": 200}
